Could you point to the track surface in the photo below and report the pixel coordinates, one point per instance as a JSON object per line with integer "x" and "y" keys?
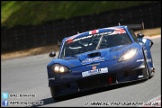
{"x": 29, "y": 76}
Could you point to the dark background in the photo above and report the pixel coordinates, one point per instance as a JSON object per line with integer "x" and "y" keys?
{"x": 26, "y": 37}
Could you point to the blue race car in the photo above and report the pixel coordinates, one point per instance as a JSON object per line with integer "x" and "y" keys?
{"x": 98, "y": 58}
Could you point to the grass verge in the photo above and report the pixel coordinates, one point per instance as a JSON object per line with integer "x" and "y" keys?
{"x": 14, "y": 13}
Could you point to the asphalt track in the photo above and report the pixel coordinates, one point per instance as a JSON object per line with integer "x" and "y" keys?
{"x": 28, "y": 76}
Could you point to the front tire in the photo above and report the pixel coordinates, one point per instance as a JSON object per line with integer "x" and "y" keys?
{"x": 146, "y": 72}
{"x": 152, "y": 70}
{"x": 53, "y": 93}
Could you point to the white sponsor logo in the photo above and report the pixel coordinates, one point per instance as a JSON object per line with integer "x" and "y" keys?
{"x": 94, "y": 72}
{"x": 140, "y": 60}
{"x": 90, "y": 60}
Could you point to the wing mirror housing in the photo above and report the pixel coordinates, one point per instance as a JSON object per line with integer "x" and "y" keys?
{"x": 140, "y": 35}
{"x": 52, "y": 54}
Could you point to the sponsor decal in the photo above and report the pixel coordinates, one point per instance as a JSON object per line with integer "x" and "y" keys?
{"x": 140, "y": 60}
{"x": 118, "y": 31}
{"x": 93, "y": 31}
{"x": 95, "y": 71}
{"x": 91, "y": 60}
{"x": 70, "y": 39}
{"x": 82, "y": 38}
{"x": 89, "y": 36}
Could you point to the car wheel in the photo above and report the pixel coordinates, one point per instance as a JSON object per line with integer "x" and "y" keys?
{"x": 52, "y": 89}
{"x": 146, "y": 71}
{"x": 152, "y": 74}
{"x": 152, "y": 71}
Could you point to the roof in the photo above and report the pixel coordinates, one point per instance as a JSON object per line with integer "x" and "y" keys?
{"x": 91, "y": 32}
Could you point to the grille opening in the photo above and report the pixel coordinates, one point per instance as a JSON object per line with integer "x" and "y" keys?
{"x": 94, "y": 54}
{"x": 110, "y": 80}
{"x": 97, "y": 80}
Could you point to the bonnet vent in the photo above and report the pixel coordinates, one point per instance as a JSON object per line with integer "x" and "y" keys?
{"x": 94, "y": 54}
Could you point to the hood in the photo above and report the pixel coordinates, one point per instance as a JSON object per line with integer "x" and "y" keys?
{"x": 90, "y": 57}
{"x": 100, "y": 55}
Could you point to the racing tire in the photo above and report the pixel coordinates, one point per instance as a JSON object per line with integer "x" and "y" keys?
{"x": 146, "y": 70}
{"x": 53, "y": 94}
{"x": 152, "y": 71}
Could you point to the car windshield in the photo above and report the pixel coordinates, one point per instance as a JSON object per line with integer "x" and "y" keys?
{"x": 93, "y": 42}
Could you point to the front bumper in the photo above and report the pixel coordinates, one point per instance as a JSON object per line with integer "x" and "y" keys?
{"x": 123, "y": 71}
{"x": 118, "y": 72}
{"x": 99, "y": 80}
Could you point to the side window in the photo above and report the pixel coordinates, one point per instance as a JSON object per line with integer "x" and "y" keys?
{"x": 133, "y": 35}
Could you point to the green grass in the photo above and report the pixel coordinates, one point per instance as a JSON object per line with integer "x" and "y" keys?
{"x": 36, "y": 12}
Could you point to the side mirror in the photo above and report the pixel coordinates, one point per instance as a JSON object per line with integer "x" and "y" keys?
{"x": 140, "y": 35}
{"x": 52, "y": 54}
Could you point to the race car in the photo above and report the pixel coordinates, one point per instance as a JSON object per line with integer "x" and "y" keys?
{"x": 99, "y": 58}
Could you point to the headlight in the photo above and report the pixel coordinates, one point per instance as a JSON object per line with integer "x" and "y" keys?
{"x": 59, "y": 68}
{"x": 128, "y": 55}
